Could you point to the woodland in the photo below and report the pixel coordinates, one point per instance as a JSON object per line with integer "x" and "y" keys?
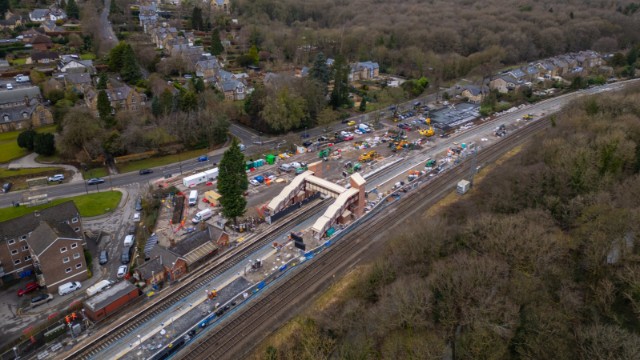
{"x": 539, "y": 261}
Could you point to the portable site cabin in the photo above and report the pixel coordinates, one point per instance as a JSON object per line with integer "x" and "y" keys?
{"x": 199, "y": 178}
{"x": 463, "y": 186}
{"x": 212, "y": 197}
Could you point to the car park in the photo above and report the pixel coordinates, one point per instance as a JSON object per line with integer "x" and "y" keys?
{"x": 6, "y": 187}
{"x": 145, "y": 171}
{"x": 30, "y": 287}
{"x": 95, "y": 181}
{"x": 56, "y": 177}
{"x": 104, "y": 257}
{"x": 122, "y": 271}
{"x": 41, "y": 299}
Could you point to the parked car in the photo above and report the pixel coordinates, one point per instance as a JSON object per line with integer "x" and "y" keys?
{"x": 203, "y": 158}
{"x": 41, "y": 299}
{"x": 69, "y": 287}
{"x": 254, "y": 182}
{"x": 6, "y": 187}
{"x": 95, "y": 181}
{"x": 351, "y": 123}
{"x": 307, "y": 143}
{"x": 30, "y": 287}
{"x": 136, "y": 217}
{"x": 145, "y": 171}
{"x": 122, "y": 271}
{"x": 132, "y": 229}
{"x": 104, "y": 257}
{"x": 56, "y": 177}
{"x": 188, "y": 76}
{"x": 138, "y": 204}
{"x": 9, "y": 86}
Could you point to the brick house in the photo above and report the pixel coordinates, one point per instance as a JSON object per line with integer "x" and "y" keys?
{"x": 41, "y": 42}
{"x": 57, "y": 252}
{"x": 15, "y": 256}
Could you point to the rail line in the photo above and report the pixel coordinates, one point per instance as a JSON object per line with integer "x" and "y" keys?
{"x": 239, "y": 330}
{"x": 202, "y": 276}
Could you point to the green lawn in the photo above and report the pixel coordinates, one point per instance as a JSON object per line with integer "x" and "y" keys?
{"x": 89, "y": 205}
{"x": 88, "y": 56}
{"x": 160, "y": 161}
{"x": 19, "y": 61}
{"x": 5, "y": 173}
{"x": 9, "y": 148}
{"x": 95, "y": 173}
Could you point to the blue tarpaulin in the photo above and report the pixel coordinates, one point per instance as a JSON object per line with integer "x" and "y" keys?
{"x": 261, "y": 285}
{"x": 283, "y": 267}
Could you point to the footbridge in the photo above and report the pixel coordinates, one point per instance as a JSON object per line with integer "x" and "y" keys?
{"x": 349, "y": 202}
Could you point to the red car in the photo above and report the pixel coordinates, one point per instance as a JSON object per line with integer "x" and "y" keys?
{"x": 347, "y": 137}
{"x": 32, "y": 286}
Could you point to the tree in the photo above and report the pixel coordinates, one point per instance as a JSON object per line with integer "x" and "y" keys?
{"x": 340, "y": 92}
{"x": 72, "y": 9}
{"x": 320, "y": 69}
{"x": 326, "y": 117}
{"x": 44, "y": 144}
{"x": 196, "y": 19}
{"x": 25, "y": 139}
{"x": 63, "y": 4}
{"x": 102, "y": 81}
{"x": 188, "y": 101}
{"x": 131, "y": 70}
{"x": 253, "y": 55}
{"x": 363, "y": 105}
{"x": 232, "y": 182}
{"x": 216, "y": 44}
{"x": 104, "y": 107}
{"x": 81, "y": 136}
{"x": 4, "y": 7}
{"x": 198, "y": 85}
{"x": 283, "y": 110}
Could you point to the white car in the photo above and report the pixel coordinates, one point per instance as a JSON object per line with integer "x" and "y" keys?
{"x": 358, "y": 131}
{"x": 9, "y": 86}
{"x": 122, "y": 271}
{"x": 136, "y": 217}
{"x": 56, "y": 177}
{"x": 254, "y": 182}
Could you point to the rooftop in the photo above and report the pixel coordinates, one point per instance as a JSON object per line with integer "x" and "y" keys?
{"x": 106, "y": 297}
{"x": 25, "y": 224}
{"x": 47, "y": 232}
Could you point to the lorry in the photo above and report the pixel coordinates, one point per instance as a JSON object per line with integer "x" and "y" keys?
{"x": 99, "y": 287}
{"x": 364, "y": 128}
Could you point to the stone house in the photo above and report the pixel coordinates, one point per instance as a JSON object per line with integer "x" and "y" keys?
{"x": 53, "y": 14}
{"x": 41, "y": 42}
{"x": 57, "y": 252}
{"x": 32, "y": 114}
{"x": 503, "y": 83}
{"x": 42, "y": 57}
{"x": 15, "y": 256}
{"x": 79, "y": 82}
{"x": 221, "y": 5}
{"x": 472, "y": 93}
{"x": 121, "y": 98}
{"x": 73, "y": 63}
{"x": 207, "y": 68}
{"x": 10, "y": 21}
{"x": 364, "y": 70}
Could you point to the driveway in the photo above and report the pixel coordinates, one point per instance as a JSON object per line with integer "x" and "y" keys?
{"x": 29, "y": 161}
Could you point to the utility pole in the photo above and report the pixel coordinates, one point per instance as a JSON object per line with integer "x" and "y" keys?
{"x": 474, "y": 164}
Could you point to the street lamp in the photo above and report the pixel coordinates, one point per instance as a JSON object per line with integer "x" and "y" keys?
{"x": 15, "y": 352}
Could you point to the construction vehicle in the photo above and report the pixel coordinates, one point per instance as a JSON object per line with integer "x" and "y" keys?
{"x": 368, "y": 156}
{"x": 324, "y": 153}
{"x": 430, "y": 163}
{"x": 528, "y": 117}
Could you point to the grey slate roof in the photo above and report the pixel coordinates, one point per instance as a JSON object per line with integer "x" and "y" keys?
{"x": 19, "y": 94}
{"x": 17, "y": 113}
{"x": 118, "y": 94}
{"x": 47, "y": 232}
{"x": 189, "y": 243}
{"x": 77, "y": 78}
{"x": 38, "y": 13}
{"x": 150, "y": 267}
{"x": 25, "y": 224}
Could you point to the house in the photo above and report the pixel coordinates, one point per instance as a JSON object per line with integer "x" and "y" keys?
{"x": 200, "y": 246}
{"x": 233, "y": 89}
{"x": 301, "y": 72}
{"x": 547, "y": 68}
{"x": 57, "y": 253}
{"x": 18, "y": 96}
{"x": 42, "y": 57}
{"x": 80, "y": 82}
{"x": 27, "y": 35}
{"x": 519, "y": 75}
{"x": 15, "y": 257}
{"x": 73, "y": 63}
{"x": 121, "y": 98}
{"x": 221, "y": 5}
{"x": 207, "y": 68}
{"x": 50, "y": 26}
{"x": 41, "y": 42}
{"x": 53, "y": 14}
{"x": 364, "y": 70}
{"x": 10, "y": 21}
{"x": 31, "y": 114}
{"x": 589, "y": 59}
{"x": 472, "y": 93}
{"x": 503, "y": 83}
{"x": 561, "y": 65}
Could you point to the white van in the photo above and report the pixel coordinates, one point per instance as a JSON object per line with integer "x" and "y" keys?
{"x": 128, "y": 240}
{"x": 202, "y": 216}
{"x": 69, "y": 287}
{"x": 98, "y": 287}
{"x": 193, "y": 198}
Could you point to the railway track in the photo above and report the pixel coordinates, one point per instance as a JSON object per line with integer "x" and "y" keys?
{"x": 239, "y": 330}
{"x": 201, "y": 277}
{"x": 120, "y": 328}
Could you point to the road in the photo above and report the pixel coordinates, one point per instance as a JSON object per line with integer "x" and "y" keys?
{"x": 187, "y": 165}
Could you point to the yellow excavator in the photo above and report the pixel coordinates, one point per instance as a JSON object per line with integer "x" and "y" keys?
{"x": 369, "y": 156}
{"x": 427, "y": 132}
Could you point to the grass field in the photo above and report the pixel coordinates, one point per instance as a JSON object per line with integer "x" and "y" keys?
{"x": 88, "y": 205}
{"x": 160, "y": 161}
{"x": 95, "y": 173}
{"x": 6, "y": 173}
{"x": 9, "y": 148}
{"x": 88, "y": 56}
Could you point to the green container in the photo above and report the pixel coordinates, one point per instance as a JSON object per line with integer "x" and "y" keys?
{"x": 271, "y": 159}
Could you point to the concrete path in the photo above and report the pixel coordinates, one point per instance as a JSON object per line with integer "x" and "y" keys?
{"x": 29, "y": 161}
